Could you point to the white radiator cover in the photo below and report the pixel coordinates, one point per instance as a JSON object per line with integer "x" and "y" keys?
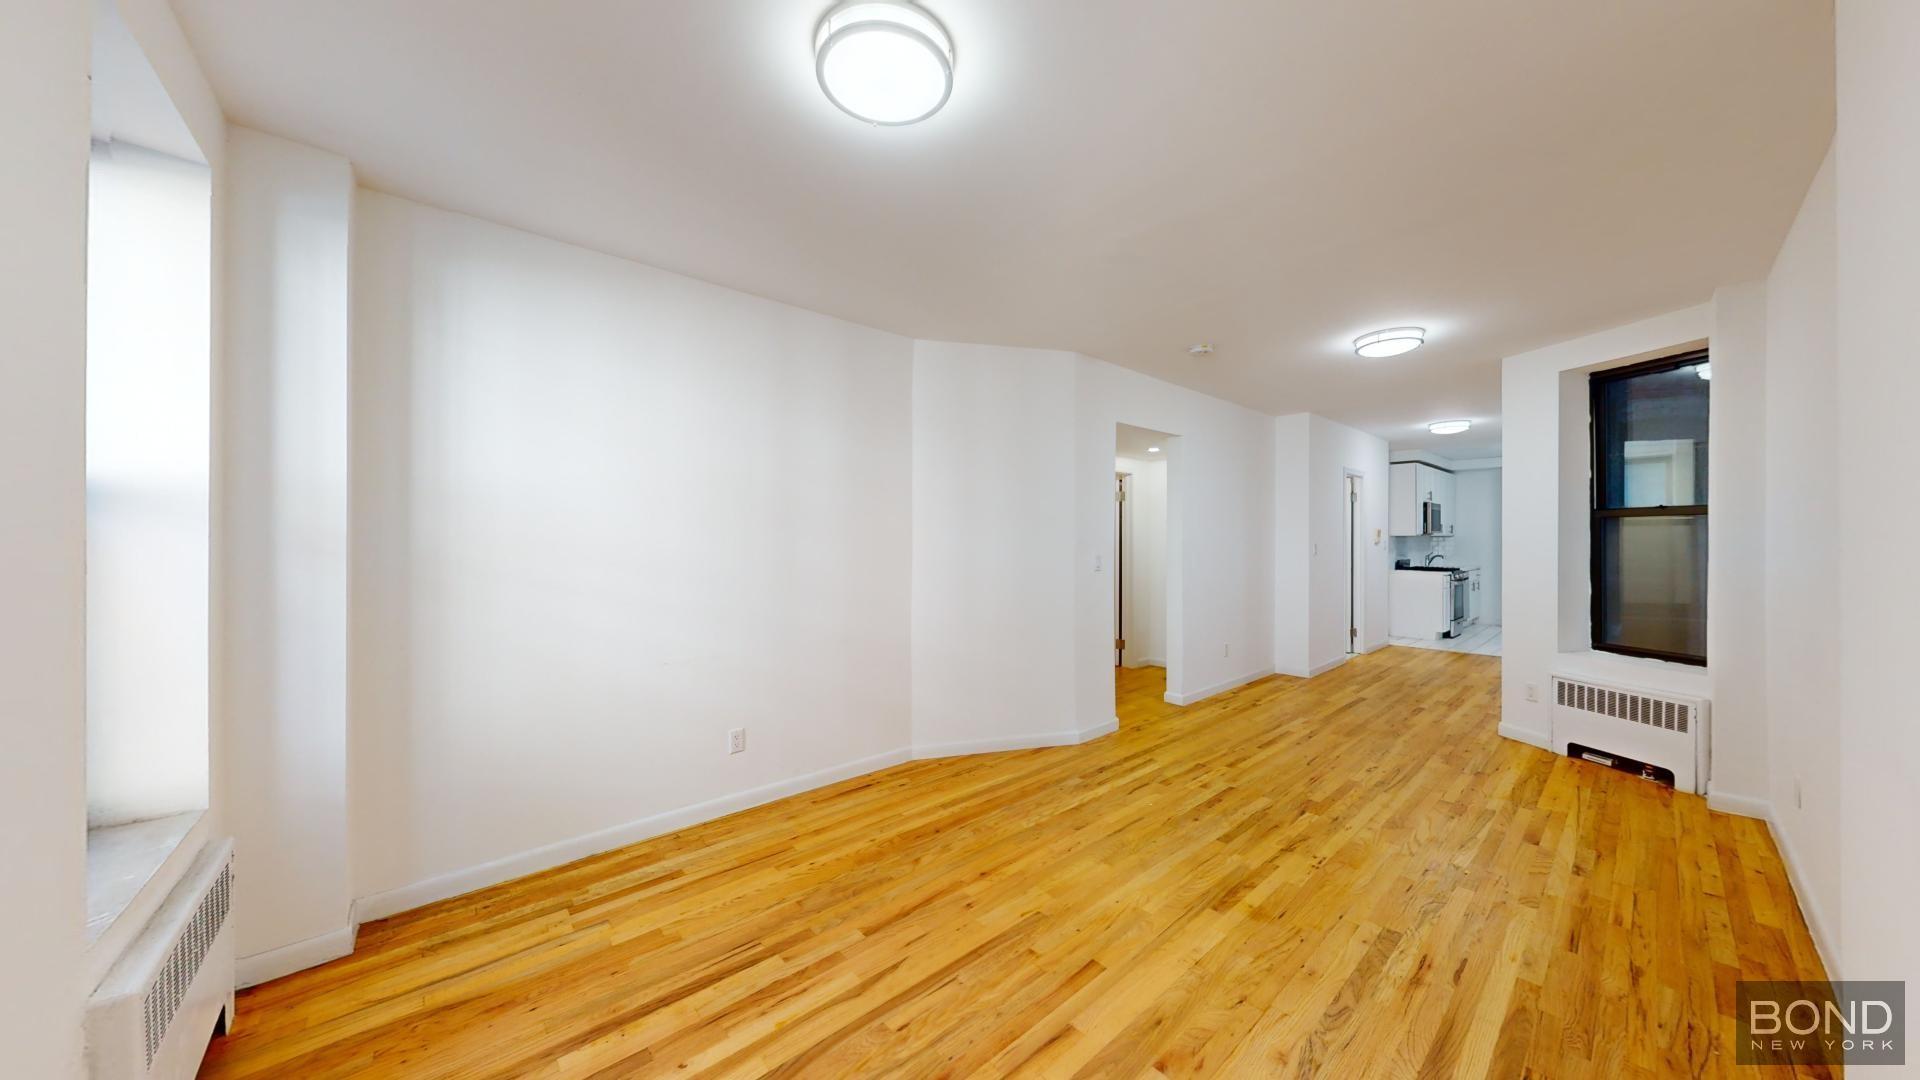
{"x": 152, "y": 1015}
{"x": 1660, "y": 728}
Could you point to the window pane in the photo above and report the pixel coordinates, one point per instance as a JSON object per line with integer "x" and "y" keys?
{"x": 1653, "y": 583}
{"x": 1652, "y": 436}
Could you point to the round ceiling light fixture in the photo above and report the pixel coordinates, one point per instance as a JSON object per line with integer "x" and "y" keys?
{"x": 1449, "y": 427}
{"x": 883, "y": 61}
{"x": 1153, "y": 449}
{"x": 1390, "y": 342}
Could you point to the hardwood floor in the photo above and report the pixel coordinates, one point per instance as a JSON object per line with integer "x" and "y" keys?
{"x": 1351, "y": 876}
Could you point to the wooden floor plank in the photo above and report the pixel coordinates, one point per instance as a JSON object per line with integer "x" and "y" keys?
{"x": 1352, "y": 875}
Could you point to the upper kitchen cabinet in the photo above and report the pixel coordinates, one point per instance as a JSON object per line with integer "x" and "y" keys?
{"x": 1411, "y": 486}
{"x": 1403, "y": 499}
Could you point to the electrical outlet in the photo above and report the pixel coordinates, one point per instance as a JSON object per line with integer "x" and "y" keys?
{"x": 737, "y": 741}
{"x": 1533, "y": 691}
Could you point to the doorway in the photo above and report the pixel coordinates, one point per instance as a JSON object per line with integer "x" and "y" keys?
{"x": 1142, "y": 564}
{"x": 1356, "y": 564}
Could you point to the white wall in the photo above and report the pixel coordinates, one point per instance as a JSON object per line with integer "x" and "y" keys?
{"x": 1145, "y": 618}
{"x": 602, "y": 515}
{"x": 285, "y": 415}
{"x": 43, "y": 188}
{"x": 1219, "y": 534}
{"x": 1876, "y": 173}
{"x": 1312, "y": 458}
{"x": 1736, "y": 548}
{"x": 992, "y": 533}
{"x": 1544, "y": 514}
{"x": 1802, "y": 620}
{"x": 1292, "y": 544}
{"x": 1545, "y": 500}
{"x": 148, "y": 483}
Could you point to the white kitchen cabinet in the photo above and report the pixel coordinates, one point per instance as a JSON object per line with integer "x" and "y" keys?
{"x": 1411, "y": 486}
{"x": 1403, "y": 501}
{"x": 1421, "y": 604}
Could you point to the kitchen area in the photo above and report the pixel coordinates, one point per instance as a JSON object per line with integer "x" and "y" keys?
{"x": 1444, "y": 516}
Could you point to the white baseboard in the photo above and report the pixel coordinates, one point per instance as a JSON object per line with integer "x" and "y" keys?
{"x": 1322, "y": 669}
{"x": 406, "y": 897}
{"x": 1527, "y": 735}
{"x": 1218, "y": 688}
{"x": 287, "y": 959}
{"x": 1817, "y": 925}
{"x": 304, "y": 954}
{"x": 922, "y": 751}
{"x": 1728, "y": 802}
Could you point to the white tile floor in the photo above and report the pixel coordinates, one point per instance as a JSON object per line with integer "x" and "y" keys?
{"x": 1482, "y": 639}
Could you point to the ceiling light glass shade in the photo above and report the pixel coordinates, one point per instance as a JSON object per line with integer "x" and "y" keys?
{"x": 1153, "y": 449}
{"x": 1390, "y": 342}
{"x": 1449, "y": 427}
{"x": 884, "y": 61}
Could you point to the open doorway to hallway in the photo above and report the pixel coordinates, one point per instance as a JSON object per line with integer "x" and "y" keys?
{"x": 1141, "y": 488}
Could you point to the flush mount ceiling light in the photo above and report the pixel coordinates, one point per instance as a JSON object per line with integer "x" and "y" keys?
{"x": 883, "y": 61}
{"x": 1153, "y": 449}
{"x": 1202, "y": 349}
{"x": 1449, "y": 427}
{"x": 1391, "y": 342}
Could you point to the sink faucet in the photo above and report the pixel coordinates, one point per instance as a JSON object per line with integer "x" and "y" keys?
{"x": 1432, "y": 556}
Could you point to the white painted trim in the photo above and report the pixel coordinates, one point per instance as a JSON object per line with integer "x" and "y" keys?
{"x": 406, "y": 897}
{"x": 1728, "y": 802}
{"x": 1015, "y": 742}
{"x": 1217, "y": 688}
{"x": 1527, "y": 735}
{"x": 287, "y": 959}
{"x": 1823, "y": 939}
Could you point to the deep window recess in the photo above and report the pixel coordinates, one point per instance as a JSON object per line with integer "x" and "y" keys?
{"x": 1650, "y": 509}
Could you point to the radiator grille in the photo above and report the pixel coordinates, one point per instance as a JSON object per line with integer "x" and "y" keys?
{"x": 183, "y": 963}
{"x": 1641, "y": 709}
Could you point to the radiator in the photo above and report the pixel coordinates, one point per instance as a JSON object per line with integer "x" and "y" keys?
{"x": 1658, "y": 728}
{"x": 152, "y": 1015}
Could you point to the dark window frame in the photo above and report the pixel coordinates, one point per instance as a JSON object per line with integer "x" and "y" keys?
{"x": 1599, "y": 478}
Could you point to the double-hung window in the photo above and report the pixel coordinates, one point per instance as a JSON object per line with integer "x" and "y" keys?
{"x": 1650, "y": 508}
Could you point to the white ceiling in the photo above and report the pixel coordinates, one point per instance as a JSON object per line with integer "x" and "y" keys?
{"x": 1117, "y": 177}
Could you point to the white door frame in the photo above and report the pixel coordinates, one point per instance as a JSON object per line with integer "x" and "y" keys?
{"x": 1353, "y": 493}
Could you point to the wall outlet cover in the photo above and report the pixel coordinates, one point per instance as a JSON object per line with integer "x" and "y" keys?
{"x": 737, "y": 740}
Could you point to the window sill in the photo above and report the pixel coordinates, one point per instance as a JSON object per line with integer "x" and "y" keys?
{"x": 1638, "y": 671}
{"x": 130, "y": 869}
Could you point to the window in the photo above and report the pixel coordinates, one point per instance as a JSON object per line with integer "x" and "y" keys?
{"x": 1650, "y": 509}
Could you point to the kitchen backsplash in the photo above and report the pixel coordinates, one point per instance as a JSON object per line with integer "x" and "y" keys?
{"x": 1415, "y": 549}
